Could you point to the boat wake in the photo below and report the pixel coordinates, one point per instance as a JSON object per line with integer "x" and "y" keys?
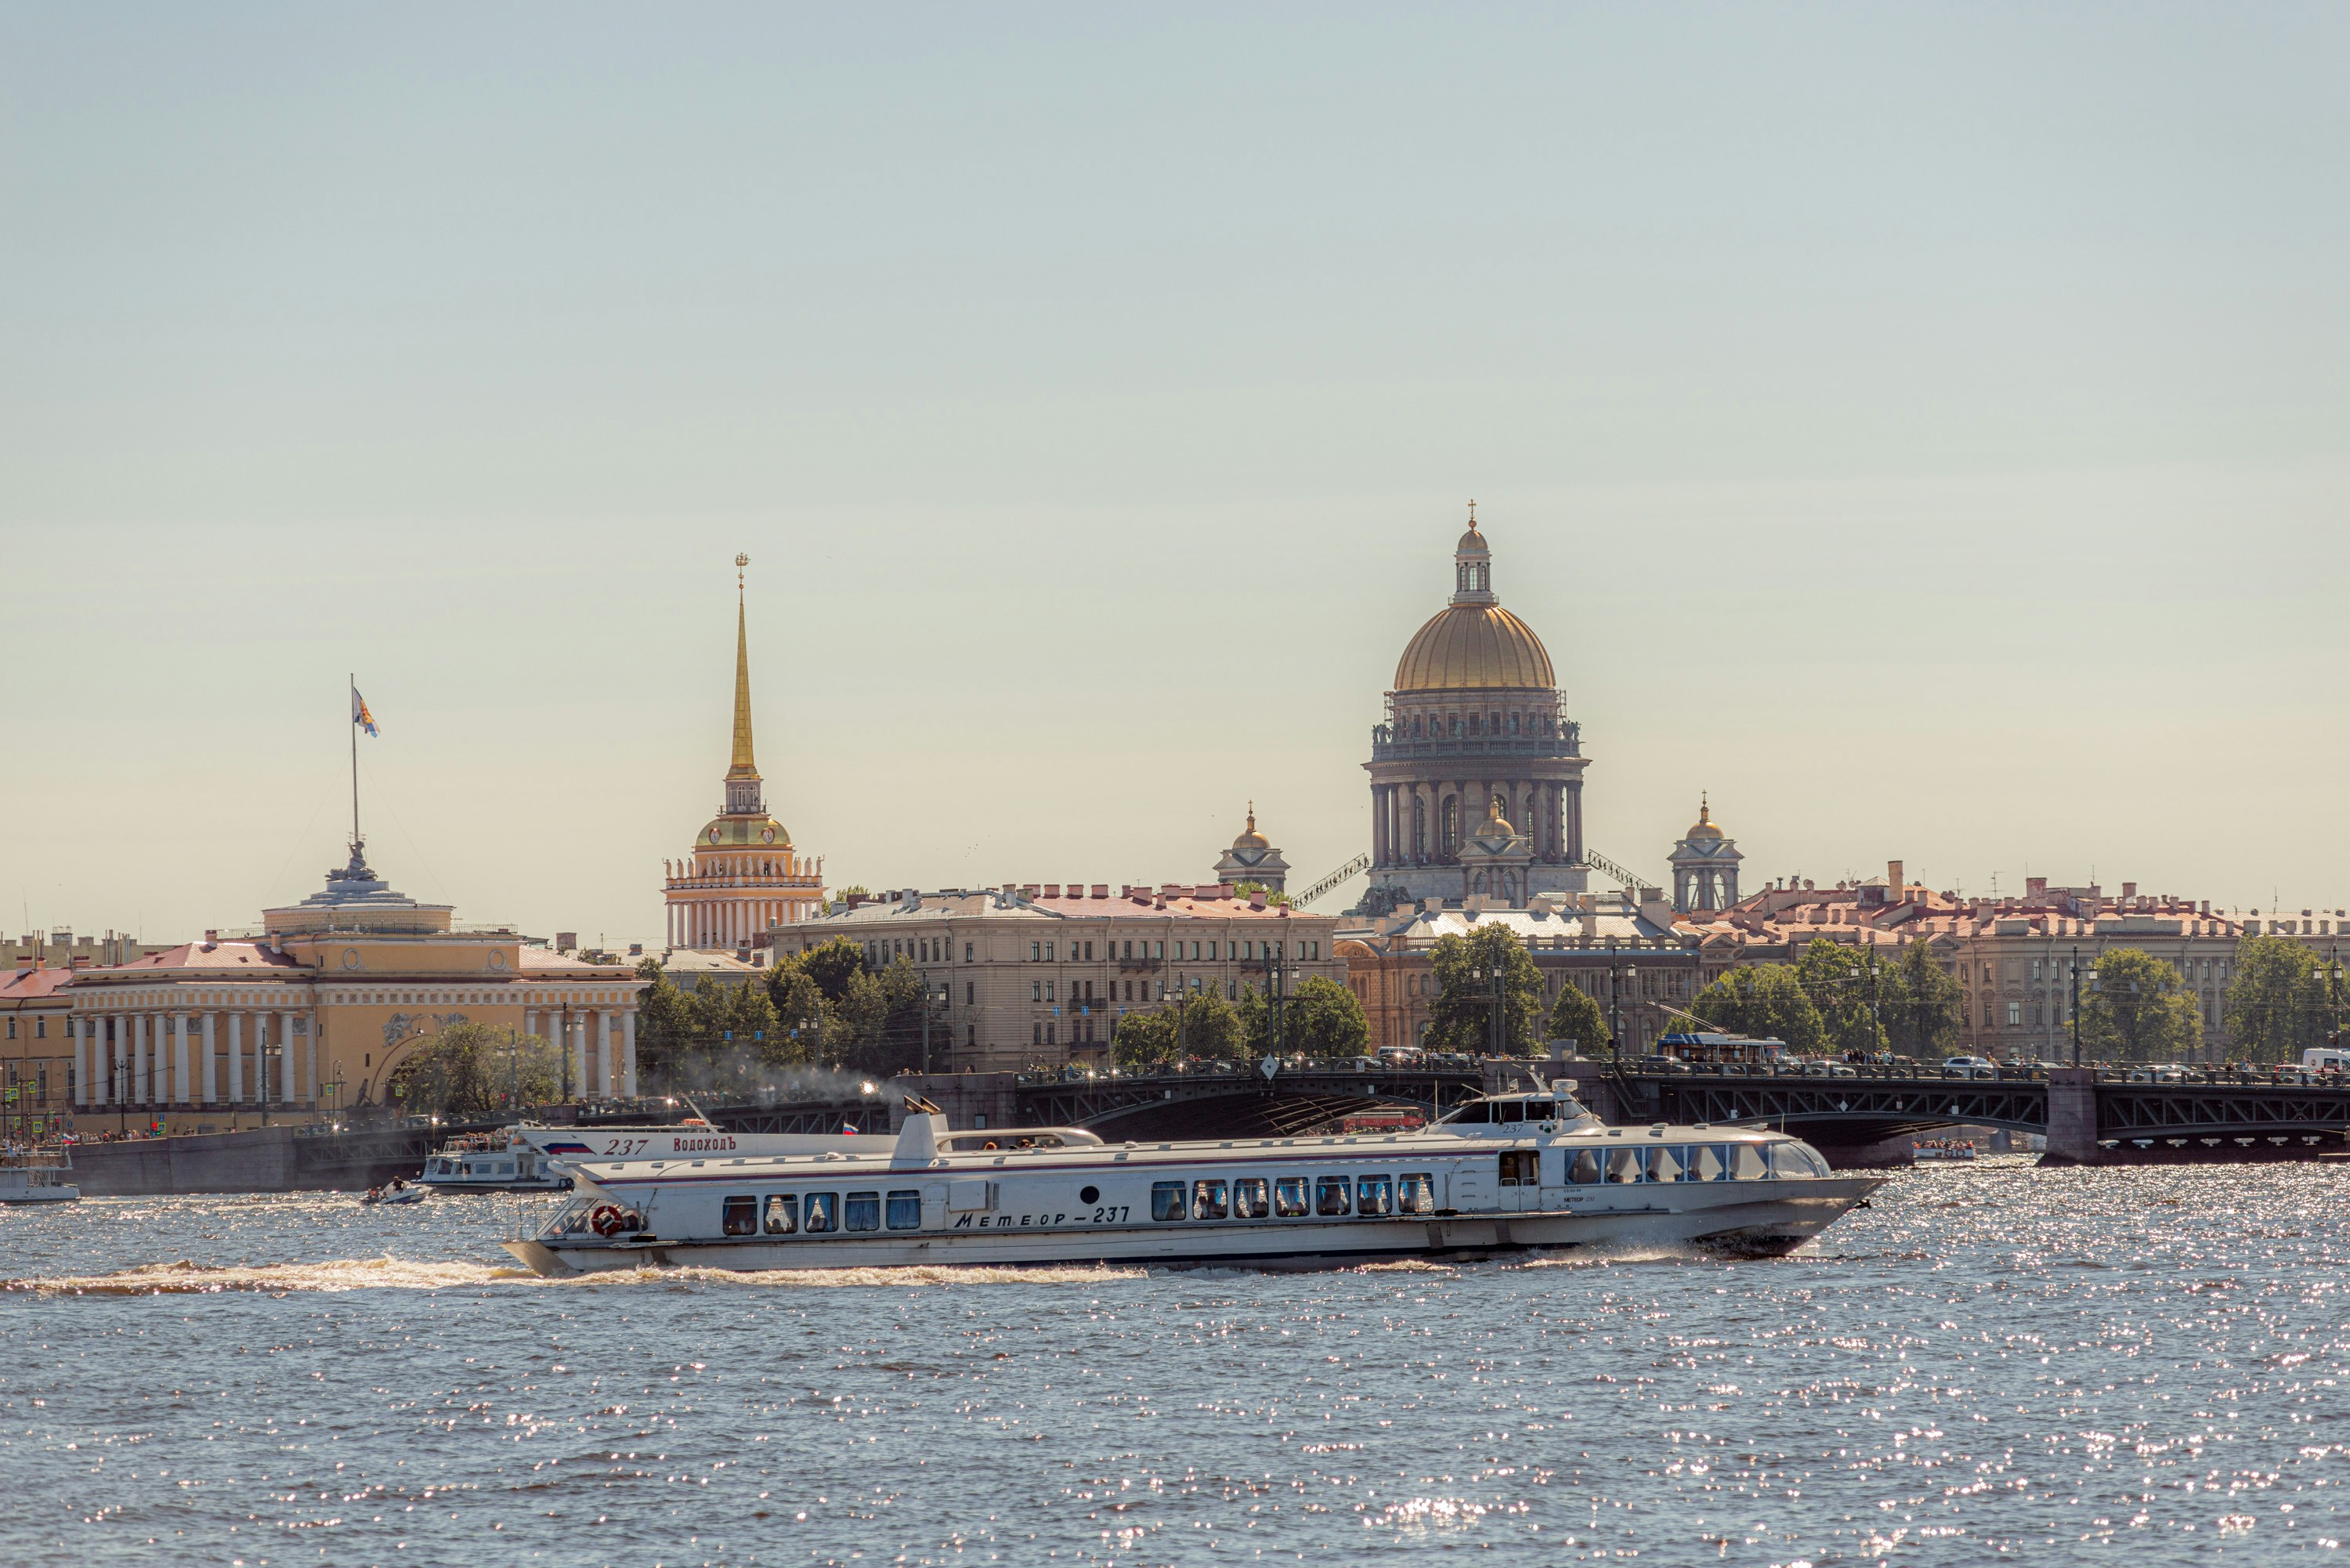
{"x": 187, "y": 1278}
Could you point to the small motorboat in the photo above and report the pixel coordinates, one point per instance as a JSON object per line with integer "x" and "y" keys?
{"x": 503, "y": 1161}
{"x": 396, "y": 1191}
{"x": 1944, "y": 1149}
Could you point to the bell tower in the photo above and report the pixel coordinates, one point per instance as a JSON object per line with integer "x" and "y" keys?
{"x": 742, "y": 771}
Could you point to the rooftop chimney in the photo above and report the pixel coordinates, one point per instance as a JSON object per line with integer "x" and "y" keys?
{"x": 212, "y": 938}
{"x": 1101, "y": 890}
{"x": 2129, "y": 889}
{"x": 1893, "y": 883}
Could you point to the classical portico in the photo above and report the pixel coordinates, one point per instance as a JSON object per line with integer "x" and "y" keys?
{"x": 744, "y": 878}
{"x": 1475, "y": 717}
{"x": 318, "y": 1013}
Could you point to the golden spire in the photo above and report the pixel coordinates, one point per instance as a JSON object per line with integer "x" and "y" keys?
{"x": 744, "y": 767}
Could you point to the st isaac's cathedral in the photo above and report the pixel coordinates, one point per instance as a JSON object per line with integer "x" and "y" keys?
{"x": 1477, "y": 774}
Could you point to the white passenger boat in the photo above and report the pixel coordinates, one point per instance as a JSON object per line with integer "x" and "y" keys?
{"x": 529, "y": 1157}
{"x": 1500, "y": 1174}
{"x": 678, "y": 1140}
{"x": 500, "y": 1161}
{"x": 37, "y": 1176}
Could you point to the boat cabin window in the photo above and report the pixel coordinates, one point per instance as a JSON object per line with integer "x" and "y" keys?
{"x": 1289, "y": 1196}
{"x": 1795, "y": 1161}
{"x": 1166, "y": 1200}
{"x": 1665, "y": 1164}
{"x": 783, "y": 1213}
{"x": 1625, "y": 1166}
{"x": 1208, "y": 1200}
{"x": 1583, "y": 1167}
{"x": 1751, "y": 1164}
{"x": 1374, "y": 1195}
{"x": 1706, "y": 1162}
{"x": 1471, "y": 1114}
{"x": 1534, "y": 1110}
{"x": 1250, "y": 1198}
{"x": 1330, "y": 1194}
{"x": 906, "y": 1209}
{"x": 1522, "y": 1167}
{"x": 861, "y": 1212}
{"x": 823, "y": 1209}
{"x": 740, "y": 1217}
{"x": 1415, "y": 1193}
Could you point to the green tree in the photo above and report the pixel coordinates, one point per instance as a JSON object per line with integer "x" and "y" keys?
{"x": 1763, "y": 1001}
{"x": 1922, "y": 1003}
{"x": 468, "y": 1071}
{"x": 665, "y": 1029}
{"x": 803, "y": 1017}
{"x": 1209, "y": 1028}
{"x": 1144, "y": 1041}
{"x": 1243, "y": 890}
{"x": 880, "y": 1021}
{"x": 2140, "y": 1011}
{"x": 831, "y": 965}
{"x": 738, "y": 1039}
{"x": 2276, "y": 1007}
{"x": 1577, "y": 1016}
{"x": 1324, "y": 1018}
{"x": 1842, "y": 981}
{"x": 1461, "y": 1015}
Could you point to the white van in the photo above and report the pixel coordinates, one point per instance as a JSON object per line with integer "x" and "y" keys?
{"x": 2326, "y": 1059}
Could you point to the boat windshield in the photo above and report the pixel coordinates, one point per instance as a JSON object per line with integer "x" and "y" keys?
{"x": 1509, "y": 1108}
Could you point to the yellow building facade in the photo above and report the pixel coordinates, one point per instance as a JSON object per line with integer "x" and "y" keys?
{"x": 318, "y": 1015}
{"x": 744, "y": 877}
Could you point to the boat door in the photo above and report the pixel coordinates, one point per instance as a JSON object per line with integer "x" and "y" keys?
{"x": 1520, "y": 1173}
{"x": 1473, "y": 1188}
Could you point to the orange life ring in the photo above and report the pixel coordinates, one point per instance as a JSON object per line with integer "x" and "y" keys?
{"x": 606, "y": 1219}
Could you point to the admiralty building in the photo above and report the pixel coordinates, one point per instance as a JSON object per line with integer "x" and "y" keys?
{"x": 1477, "y": 774}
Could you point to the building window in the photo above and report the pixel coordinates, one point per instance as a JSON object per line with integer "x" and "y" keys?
{"x": 970, "y": 992}
{"x": 2015, "y": 1015}
{"x": 1048, "y": 991}
{"x": 1036, "y": 952}
{"x": 1035, "y": 990}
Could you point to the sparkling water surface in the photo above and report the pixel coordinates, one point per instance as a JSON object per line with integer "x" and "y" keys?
{"x": 2062, "y": 1366}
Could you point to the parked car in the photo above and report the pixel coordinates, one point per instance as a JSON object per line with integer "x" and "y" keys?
{"x": 1661, "y": 1065}
{"x": 1970, "y": 1067}
{"x": 1827, "y": 1069}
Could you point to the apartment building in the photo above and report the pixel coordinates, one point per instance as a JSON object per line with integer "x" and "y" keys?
{"x": 1037, "y": 974}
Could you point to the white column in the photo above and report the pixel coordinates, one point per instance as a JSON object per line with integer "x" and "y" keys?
{"x": 235, "y": 1058}
{"x": 575, "y": 1027}
{"x": 81, "y": 1060}
{"x": 312, "y": 1090}
{"x": 114, "y": 1052}
{"x": 606, "y": 1069}
{"x": 628, "y": 1052}
{"x": 180, "y": 1079}
{"x": 204, "y": 1062}
{"x": 138, "y": 1057}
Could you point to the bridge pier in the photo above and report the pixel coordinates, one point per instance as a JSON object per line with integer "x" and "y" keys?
{"x": 971, "y": 1101}
{"x": 2071, "y": 1116}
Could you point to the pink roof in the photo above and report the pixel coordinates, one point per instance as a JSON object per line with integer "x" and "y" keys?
{"x": 229, "y": 956}
{"x": 28, "y": 983}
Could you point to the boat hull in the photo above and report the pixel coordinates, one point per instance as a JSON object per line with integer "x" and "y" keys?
{"x": 66, "y": 1193}
{"x": 1752, "y": 1219}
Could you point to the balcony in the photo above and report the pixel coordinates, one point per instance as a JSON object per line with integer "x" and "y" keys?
{"x": 1386, "y": 748}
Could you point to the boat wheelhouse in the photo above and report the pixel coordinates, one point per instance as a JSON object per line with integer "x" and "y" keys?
{"x": 1502, "y": 1174}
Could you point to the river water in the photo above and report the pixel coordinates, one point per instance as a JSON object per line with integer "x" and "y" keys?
{"x": 2059, "y": 1365}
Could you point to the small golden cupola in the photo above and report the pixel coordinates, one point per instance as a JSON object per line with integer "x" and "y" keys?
{"x": 1252, "y": 859}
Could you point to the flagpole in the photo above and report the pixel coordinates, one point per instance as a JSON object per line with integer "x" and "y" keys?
{"x": 355, "y": 760}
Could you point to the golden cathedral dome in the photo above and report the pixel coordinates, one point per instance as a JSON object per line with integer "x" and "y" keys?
{"x": 1471, "y": 543}
{"x": 1249, "y": 837}
{"x": 1472, "y": 646}
{"x": 1703, "y": 827}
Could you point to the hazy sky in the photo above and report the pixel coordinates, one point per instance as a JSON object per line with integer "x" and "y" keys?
{"x": 1922, "y": 428}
